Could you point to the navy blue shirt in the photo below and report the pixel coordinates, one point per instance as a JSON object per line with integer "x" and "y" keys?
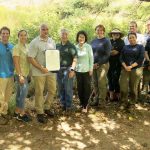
{"x": 131, "y": 54}
{"x": 117, "y": 45}
{"x": 147, "y": 47}
{"x": 101, "y": 50}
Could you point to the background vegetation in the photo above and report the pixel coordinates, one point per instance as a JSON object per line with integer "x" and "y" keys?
{"x": 71, "y": 14}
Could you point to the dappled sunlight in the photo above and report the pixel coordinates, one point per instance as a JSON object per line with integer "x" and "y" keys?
{"x": 94, "y": 140}
{"x": 47, "y": 128}
{"x": 78, "y": 131}
{"x": 82, "y": 131}
{"x": 2, "y": 142}
{"x": 139, "y": 107}
{"x": 125, "y": 147}
{"x": 136, "y": 144}
{"x": 103, "y": 123}
{"x": 146, "y": 123}
{"x": 69, "y": 143}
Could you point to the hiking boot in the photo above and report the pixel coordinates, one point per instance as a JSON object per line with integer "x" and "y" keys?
{"x": 49, "y": 113}
{"x": 42, "y": 118}
{"x": 85, "y": 109}
{"x": 15, "y": 115}
{"x": 24, "y": 118}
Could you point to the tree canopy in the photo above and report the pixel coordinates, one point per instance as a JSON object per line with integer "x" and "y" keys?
{"x": 72, "y": 14}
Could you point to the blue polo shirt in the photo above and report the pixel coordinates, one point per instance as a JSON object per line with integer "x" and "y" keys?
{"x": 6, "y": 60}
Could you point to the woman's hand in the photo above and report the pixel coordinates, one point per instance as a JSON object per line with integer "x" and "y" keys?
{"x": 71, "y": 74}
{"x": 128, "y": 68}
{"x": 44, "y": 70}
{"x": 96, "y": 65}
{"x": 114, "y": 52}
{"x": 21, "y": 79}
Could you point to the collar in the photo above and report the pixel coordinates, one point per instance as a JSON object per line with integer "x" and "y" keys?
{"x": 41, "y": 39}
{"x": 22, "y": 45}
{"x": 68, "y": 43}
{"x": 5, "y": 43}
{"x": 82, "y": 45}
{"x": 100, "y": 38}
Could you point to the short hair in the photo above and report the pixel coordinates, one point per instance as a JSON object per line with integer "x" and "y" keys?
{"x": 64, "y": 31}
{"x": 83, "y": 33}
{"x": 43, "y": 25}
{"x": 22, "y": 31}
{"x": 4, "y": 28}
{"x": 100, "y": 26}
{"x": 131, "y": 33}
{"x": 133, "y": 22}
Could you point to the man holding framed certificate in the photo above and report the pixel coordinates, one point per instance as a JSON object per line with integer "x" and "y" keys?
{"x": 41, "y": 75}
{"x": 68, "y": 59}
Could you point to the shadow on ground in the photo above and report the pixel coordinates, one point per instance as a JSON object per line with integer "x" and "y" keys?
{"x": 100, "y": 129}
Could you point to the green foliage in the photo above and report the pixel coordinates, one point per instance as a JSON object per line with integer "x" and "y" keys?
{"x": 74, "y": 15}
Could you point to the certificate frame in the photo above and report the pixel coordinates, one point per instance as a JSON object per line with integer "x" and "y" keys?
{"x": 52, "y": 57}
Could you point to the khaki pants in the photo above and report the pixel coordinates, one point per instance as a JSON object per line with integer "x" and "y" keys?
{"x": 132, "y": 79}
{"x": 100, "y": 81}
{"x": 6, "y": 89}
{"x": 40, "y": 82}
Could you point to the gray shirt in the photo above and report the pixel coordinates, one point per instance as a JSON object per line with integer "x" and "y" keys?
{"x": 37, "y": 50}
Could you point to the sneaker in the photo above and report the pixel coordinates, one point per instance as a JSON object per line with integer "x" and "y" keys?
{"x": 49, "y": 113}
{"x": 85, "y": 110}
{"x": 15, "y": 115}
{"x": 3, "y": 120}
{"x": 24, "y": 118}
{"x": 42, "y": 118}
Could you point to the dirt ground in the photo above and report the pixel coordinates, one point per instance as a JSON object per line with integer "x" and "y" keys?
{"x": 100, "y": 129}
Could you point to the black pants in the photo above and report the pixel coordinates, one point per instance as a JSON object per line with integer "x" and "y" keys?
{"x": 113, "y": 77}
{"x": 83, "y": 87}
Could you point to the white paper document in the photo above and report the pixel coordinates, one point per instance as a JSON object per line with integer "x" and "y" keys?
{"x": 52, "y": 60}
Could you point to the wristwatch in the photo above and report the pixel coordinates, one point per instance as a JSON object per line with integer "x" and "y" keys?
{"x": 20, "y": 75}
{"x": 71, "y": 69}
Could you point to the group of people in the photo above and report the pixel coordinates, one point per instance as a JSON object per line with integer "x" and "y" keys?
{"x": 114, "y": 65}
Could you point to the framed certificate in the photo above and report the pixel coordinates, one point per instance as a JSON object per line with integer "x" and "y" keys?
{"x": 52, "y": 60}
